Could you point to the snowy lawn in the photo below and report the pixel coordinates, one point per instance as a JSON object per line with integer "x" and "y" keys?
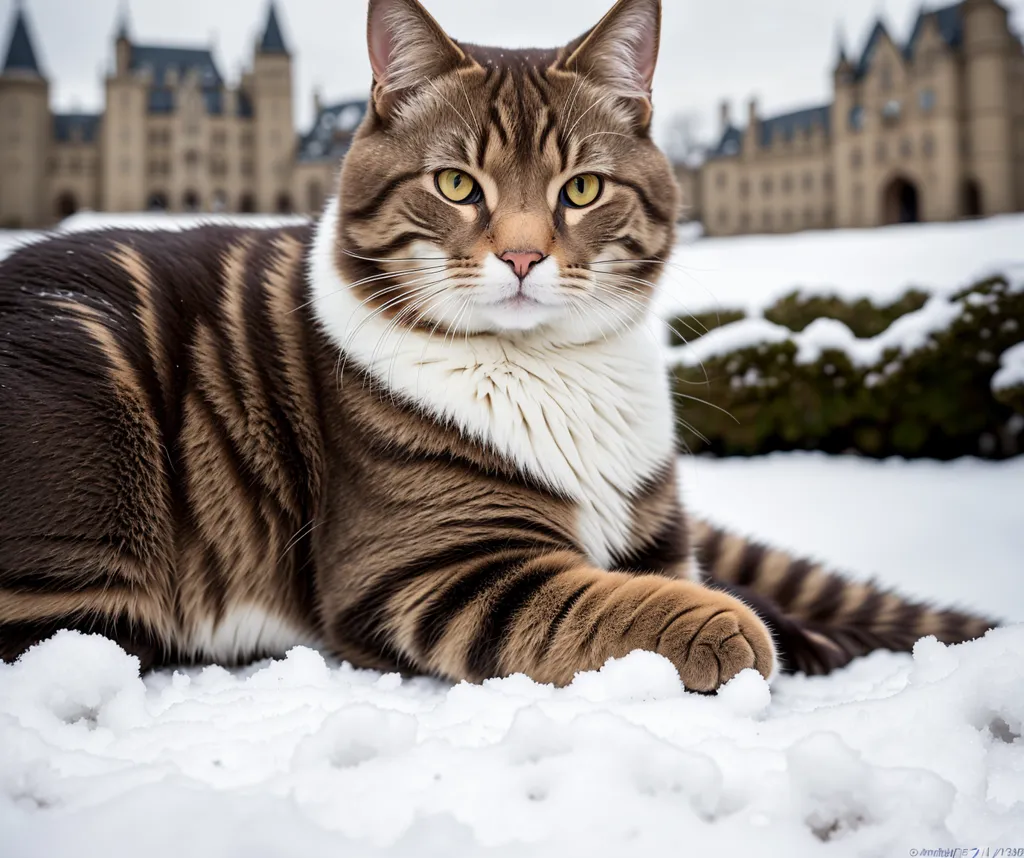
{"x": 306, "y": 757}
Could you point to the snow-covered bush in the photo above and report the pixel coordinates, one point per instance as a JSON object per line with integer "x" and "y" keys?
{"x": 925, "y": 384}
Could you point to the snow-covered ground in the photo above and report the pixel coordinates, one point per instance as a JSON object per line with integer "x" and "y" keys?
{"x": 306, "y": 757}
{"x": 751, "y": 272}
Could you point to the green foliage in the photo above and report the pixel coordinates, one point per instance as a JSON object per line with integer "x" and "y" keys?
{"x": 796, "y": 311}
{"x": 934, "y": 402}
{"x": 686, "y": 329}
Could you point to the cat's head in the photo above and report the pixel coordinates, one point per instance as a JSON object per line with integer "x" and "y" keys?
{"x": 500, "y": 191}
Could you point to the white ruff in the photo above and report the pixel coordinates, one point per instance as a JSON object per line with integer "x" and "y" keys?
{"x": 592, "y": 421}
{"x": 243, "y": 631}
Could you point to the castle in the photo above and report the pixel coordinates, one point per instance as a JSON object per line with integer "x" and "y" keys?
{"x": 928, "y": 130}
{"x": 174, "y": 135}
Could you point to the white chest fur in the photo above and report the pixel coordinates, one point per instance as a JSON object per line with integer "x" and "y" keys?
{"x": 593, "y": 421}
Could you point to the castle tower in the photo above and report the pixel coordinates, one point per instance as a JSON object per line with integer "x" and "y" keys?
{"x": 123, "y": 151}
{"x": 272, "y": 106}
{"x": 991, "y": 185}
{"x": 25, "y": 130}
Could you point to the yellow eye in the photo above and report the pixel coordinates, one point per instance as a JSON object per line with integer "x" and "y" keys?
{"x": 581, "y": 190}
{"x": 457, "y": 186}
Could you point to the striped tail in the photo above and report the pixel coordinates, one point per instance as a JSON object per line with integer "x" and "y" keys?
{"x": 820, "y": 620}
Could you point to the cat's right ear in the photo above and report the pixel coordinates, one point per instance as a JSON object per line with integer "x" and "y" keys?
{"x": 407, "y": 48}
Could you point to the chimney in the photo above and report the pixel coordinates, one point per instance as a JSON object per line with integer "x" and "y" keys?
{"x": 752, "y": 112}
{"x": 724, "y": 119}
{"x": 317, "y": 101}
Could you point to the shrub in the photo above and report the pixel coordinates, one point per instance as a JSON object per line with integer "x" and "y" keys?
{"x": 797, "y": 310}
{"x": 933, "y": 401}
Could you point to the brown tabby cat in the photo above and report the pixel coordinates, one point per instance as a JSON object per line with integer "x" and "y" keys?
{"x": 431, "y": 432}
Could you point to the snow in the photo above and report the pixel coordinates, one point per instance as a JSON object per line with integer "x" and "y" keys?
{"x": 907, "y": 334}
{"x": 752, "y": 272}
{"x": 1011, "y": 369}
{"x": 305, "y": 757}
{"x": 83, "y": 221}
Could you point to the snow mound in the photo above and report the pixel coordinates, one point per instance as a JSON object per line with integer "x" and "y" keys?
{"x": 305, "y": 757}
{"x": 1011, "y": 369}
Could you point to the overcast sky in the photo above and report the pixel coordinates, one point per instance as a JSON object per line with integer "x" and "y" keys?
{"x": 782, "y": 51}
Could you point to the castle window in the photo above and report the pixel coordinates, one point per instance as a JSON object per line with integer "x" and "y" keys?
{"x": 857, "y": 117}
{"x": 926, "y": 100}
{"x": 808, "y": 217}
{"x": 767, "y": 221}
{"x": 744, "y": 188}
{"x": 190, "y": 201}
{"x": 219, "y": 138}
{"x": 191, "y": 157}
{"x": 881, "y": 152}
{"x": 856, "y": 159}
{"x": 826, "y": 180}
{"x": 891, "y": 110}
{"x": 284, "y": 204}
{"x": 745, "y": 221}
{"x": 808, "y": 181}
{"x": 787, "y": 219}
{"x": 787, "y": 183}
{"x": 906, "y": 148}
{"x": 766, "y": 186}
{"x": 246, "y": 170}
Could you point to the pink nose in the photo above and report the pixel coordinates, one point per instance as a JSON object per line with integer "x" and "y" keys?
{"x": 521, "y": 261}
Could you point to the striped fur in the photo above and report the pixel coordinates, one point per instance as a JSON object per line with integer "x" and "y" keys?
{"x": 370, "y": 435}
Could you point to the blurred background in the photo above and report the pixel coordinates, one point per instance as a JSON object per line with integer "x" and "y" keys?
{"x": 846, "y": 303}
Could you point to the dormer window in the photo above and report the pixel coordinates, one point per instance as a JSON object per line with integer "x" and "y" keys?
{"x": 857, "y": 117}
{"x": 926, "y": 99}
{"x": 891, "y": 110}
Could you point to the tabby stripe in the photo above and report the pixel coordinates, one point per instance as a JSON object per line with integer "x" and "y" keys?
{"x": 710, "y": 548}
{"x": 403, "y": 239}
{"x": 442, "y": 610}
{"x": 549, "y": 126}
{"x": 556, "y": 622}
{"x": 649, "y": 208}
{"x": 484, "y": 657}
{"x": 494, "y": 116}
{"x": 828, "y": 601}
{"x": 364, "y": 616}
{"x": 372, "y": 208}
{"x": 792, "y": 582}
{"x": 750, "y": 563}
{"x": 539, "y": 84}
{"x": 481, "y": 144}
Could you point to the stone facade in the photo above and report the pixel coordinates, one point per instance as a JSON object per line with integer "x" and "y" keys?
{"x": 930, "y": 130}
{"x": 173, "y": 136}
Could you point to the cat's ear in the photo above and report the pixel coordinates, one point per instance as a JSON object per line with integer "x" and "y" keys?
{"x": 621, "y": 51}
{"x": 407, "y": 48}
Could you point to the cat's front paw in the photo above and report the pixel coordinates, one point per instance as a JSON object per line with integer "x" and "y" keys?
{"x": 711, "y": 641}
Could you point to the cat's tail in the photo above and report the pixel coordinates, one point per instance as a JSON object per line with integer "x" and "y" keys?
{"x": 821, "y": 620}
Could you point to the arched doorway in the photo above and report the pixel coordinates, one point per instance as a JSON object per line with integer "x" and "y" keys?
{"x": 970, "y": 199}
{"x": 900, "y": 202}
{"x": 66, "y": 205}
{"x": 246, "y": 204}
{"x": 190, "y": 202}
{"x": 157, "y": 202}
{"x": 284, "y": 204}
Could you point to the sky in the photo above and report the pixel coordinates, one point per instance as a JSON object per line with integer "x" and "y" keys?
{"x": 781, "y": 51}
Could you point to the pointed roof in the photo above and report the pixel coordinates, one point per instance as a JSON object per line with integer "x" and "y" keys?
{"x": 20, "y": 54}
{"x": 122, "y": 22}
{"x": 273, "y": 40}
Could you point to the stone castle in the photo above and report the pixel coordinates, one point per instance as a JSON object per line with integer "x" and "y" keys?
{"x": 173, "y": 136}
{"x": 928, "y": 130}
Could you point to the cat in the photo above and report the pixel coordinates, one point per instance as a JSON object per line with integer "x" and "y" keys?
{"x": 430, "y": 433}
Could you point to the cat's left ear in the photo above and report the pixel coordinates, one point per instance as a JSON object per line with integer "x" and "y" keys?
{"x": 407, "y": 48}
{"x": 621, "y": 51}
